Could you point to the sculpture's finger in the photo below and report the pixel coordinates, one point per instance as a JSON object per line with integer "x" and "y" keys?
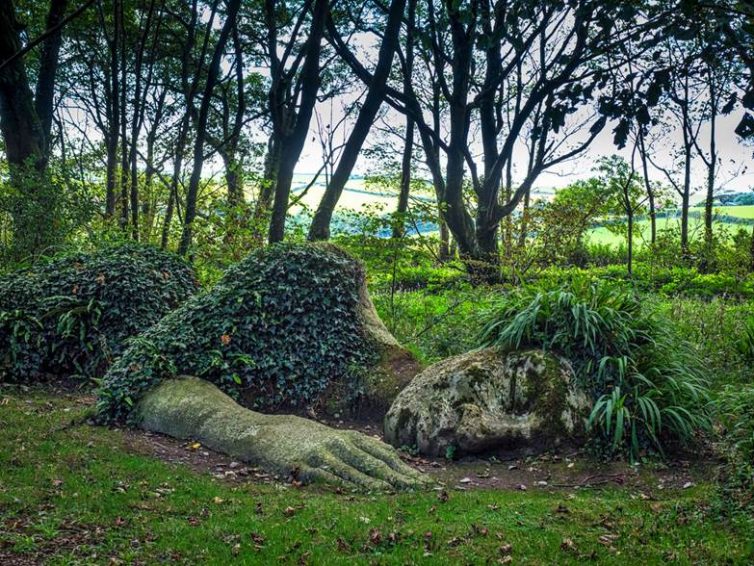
{"x": 336, "y": 464}
{"x": 374, "y": 467}
{"x": 390, "y": 457}
{"x": 311, "y": 474}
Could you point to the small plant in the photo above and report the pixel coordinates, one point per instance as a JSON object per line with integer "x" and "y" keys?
{"x": 647, "y": 384}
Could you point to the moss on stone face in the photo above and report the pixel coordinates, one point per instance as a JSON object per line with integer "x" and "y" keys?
{"x": 290, "y": 446}
{"x": 485, "y": 400}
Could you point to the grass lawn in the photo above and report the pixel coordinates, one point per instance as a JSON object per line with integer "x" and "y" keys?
{"x": 72, "y": 493}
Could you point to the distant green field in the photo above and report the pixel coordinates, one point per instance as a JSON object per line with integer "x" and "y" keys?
{"x": 737, "y": 211}
{"x": 602, "y": 235}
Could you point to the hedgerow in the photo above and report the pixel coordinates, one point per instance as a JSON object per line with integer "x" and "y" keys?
{"x": 276, "y": 330}
{"x": 72, "y": 316}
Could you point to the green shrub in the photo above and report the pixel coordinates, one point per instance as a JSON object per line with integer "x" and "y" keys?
{"x": 735, "y": 408}
{"x": 275, "y": 331}
{"x": 647, "y": 384}
{"x": 73, "y": 314}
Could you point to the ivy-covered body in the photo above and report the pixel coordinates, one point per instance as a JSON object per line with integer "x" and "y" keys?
{"x": 291, "y": 326}
{"x": 73, "y": 315}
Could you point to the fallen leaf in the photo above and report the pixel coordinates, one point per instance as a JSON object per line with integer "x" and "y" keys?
{"x": 375, "y": 537}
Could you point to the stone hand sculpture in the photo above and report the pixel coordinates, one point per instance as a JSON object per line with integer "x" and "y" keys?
{"x": 284, "y": 444}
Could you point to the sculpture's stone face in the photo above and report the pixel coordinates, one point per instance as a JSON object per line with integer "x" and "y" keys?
{"x": 486, "y": 400}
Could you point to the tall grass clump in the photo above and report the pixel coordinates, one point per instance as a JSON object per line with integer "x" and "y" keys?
{"x": 647, "y": 384}
{"x": 735, "y": 411}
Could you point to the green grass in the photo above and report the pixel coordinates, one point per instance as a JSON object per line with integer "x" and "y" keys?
{"x": 75, "y": 494}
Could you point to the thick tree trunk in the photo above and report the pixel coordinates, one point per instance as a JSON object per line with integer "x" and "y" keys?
{"x": 284, "y": 180}
{"x": 320, "y": 228}
{"x": 34, "y": 226}
{"x": 19, "y": 121}
{"x": 48, "y": 68}
{"x": 290, "y": 140}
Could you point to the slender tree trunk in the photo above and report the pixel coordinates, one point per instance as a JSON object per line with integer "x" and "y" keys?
{"x": 201, "y": 126}
{"x": 648, "y": 188}
{"x": 48, "y": 67}
{"x": 399, "y": 224}
{"x": 525, "y": 220}
{"x": 630, "y": 259}
{"x": 711, "y": 174}
{"x": 320, "y": 228}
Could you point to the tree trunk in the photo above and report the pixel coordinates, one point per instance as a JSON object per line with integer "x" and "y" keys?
{"x": 711, "y": 163}
{"x": 648, "y": 188}
{"x": 320, "y": 228}
{"x": 33, "y": 212}
{"x": 291, "y": 139}
{"x": 201, "y": 126}
{"x": 630, "y": 259}
{"x": 399, "y": 224}
{"x": 48, "y": 68}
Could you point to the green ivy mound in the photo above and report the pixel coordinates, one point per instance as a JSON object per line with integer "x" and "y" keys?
{"x": 73, "y": 315}
{"x": 290, "y": 326}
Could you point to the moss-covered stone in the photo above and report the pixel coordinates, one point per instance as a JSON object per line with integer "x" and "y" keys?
{"x": 291, "y": 446}
{"x": 486, "y": 400}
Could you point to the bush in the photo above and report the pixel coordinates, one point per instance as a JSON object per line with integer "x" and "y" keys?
{"x": 277, "y": 330}
{"x": 647, "y": 384}
{"x": 736, "y": 413}
{"x": 73, "y": 314}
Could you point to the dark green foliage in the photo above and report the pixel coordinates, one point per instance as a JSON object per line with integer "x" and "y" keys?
{"x": 73, "y": 314}
{"x": 276, "y": 330}
{"x": 647, "y": 384}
